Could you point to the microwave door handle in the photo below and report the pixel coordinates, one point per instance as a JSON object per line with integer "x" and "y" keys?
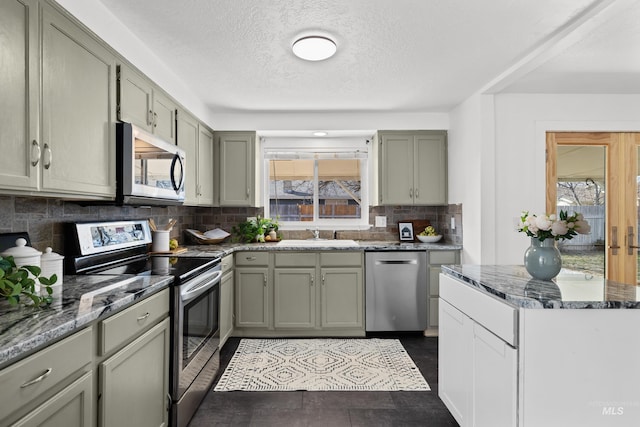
{"x": 176, "y": 158}
{"x": 199, "y": 288}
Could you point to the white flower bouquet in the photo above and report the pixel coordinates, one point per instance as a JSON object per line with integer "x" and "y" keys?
{"x": 557, "y": 227}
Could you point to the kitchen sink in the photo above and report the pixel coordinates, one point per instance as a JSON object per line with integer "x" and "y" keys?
{"x": 318, "y": 243}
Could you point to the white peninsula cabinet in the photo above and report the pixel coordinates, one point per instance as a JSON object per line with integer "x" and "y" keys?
{"x": 54, "y": 74}
{"x": 528, "y": 353}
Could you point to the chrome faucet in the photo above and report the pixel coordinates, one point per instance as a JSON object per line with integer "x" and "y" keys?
{"x": 316, "y": 232}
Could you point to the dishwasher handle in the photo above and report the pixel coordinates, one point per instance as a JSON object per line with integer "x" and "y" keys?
{"x": 396, "y": 261}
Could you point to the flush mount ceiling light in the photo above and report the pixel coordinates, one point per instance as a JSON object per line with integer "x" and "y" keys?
{"x": 314, "y": 48}
{"x": 320, "y": 133}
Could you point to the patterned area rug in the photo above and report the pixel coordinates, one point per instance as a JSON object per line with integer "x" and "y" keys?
{"x": 321, "y": 364}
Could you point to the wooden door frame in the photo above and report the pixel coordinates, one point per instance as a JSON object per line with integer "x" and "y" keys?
{"x": 621, "y": 154}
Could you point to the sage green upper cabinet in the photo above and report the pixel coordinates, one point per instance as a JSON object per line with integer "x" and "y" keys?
{"x": 19, "y": 99}
{"x": 205, "y": 166}
{"x": 413, "y": 167}
{"x": 238, "y": 168}
{"x": 188, "y": 141}
{"x": 143, "y": 104}
{"x": 78, "y": 109}
{"x": 73, "y": 152}
{"x": 197, "y": 141}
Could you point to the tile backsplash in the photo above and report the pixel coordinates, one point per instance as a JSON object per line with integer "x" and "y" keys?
{"x": 44, "y": 218}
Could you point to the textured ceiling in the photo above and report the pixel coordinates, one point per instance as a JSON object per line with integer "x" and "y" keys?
{"x": 400, "y": 55}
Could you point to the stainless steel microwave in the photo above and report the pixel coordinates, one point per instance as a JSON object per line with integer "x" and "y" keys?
{"x": 150, "y": 171}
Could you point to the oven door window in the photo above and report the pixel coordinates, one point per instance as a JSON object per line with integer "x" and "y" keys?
{"x": 200, "y": 323}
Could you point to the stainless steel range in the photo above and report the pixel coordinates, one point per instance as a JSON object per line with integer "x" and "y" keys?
{"x": 121, "y": 248}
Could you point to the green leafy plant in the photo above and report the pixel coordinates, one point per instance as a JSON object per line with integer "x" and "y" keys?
{"x": 16, "y": 283}
{"x": 248, "y": 231}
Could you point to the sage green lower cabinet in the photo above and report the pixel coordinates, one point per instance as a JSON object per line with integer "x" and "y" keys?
{"x": 45, "y": 385}
{"x": 342, "y": 297}
{"x": 299, "y": 293}
{"x": 294, "y": 297}
{"x": 226, "y": 299}
{"x": 134, "y": 382}
{"x": 252, "y": 297}
{"x": 435, "y": 260}
{"x": 72, "y": 407}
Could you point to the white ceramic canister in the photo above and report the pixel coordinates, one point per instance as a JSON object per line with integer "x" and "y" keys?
{"x": 160, "y": 241}
{"x": 23, "y": 254}
{"x": 51, "y": 263}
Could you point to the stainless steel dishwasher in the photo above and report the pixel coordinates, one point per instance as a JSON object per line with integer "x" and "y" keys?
{"x": 396, "y": 291}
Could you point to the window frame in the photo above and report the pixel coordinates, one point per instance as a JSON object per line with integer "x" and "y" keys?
{"x": 307, "y": 147}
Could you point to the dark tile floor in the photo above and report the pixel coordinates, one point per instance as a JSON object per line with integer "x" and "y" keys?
{"x": 325, "y": 408}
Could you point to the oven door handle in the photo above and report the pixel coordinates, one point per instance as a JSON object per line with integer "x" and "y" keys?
{"x": 207, "y": 282}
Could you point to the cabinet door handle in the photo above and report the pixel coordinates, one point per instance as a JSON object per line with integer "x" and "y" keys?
{"x": 411, "y": 192}
{"x": 169, "y": 402}
{"x": 144, "y": 316}
{"x": 264, "y": 276}
{"x": 248, "y": 191}
{"x": 155, "y": 120}
{"x": 417, "y": 193}
{"x": 44, "y": 375}
{"x": 150, "y": 118}
{"x": 312, "y": 279}
{"x": 48, "y": 156}
{"x": 323, "y": 280}
{"x": 35, "y": 153}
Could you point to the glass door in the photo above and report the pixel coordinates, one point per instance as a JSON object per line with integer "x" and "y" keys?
{"x": 597, "y": 175}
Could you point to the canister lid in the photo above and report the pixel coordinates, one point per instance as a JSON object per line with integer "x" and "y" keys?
{"x": 21, "y": 250}
{"x": 49, "y": 255}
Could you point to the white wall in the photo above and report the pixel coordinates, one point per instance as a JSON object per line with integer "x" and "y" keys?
{"x": 465, "y": 171}
{"x": 521, "y": 121}
{"x": 339, "y": 120}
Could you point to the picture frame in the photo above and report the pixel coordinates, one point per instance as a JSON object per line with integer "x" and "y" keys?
{"x": 405, "y": 231}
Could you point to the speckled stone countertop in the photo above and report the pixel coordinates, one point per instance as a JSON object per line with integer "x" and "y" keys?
{"x": 570, "y": 290}
{"x": 327, "y": 245}
{"x": 25, "y": 330}
{"x": 82, "y": 300}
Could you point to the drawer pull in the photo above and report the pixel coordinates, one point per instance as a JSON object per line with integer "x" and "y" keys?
{"x": 38, "y": 379}
{"x": 251, "y": 258}
{"x": 144, "y": 316}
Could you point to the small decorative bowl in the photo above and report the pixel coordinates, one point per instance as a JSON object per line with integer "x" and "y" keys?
{"x": 429, "y": 239}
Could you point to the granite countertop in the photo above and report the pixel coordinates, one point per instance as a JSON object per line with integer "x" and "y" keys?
{"x": 223, "y": 249}
{"x": 24, "y": 330}
{"x": 82, "y": 300}
{"x": 570, "y": 290}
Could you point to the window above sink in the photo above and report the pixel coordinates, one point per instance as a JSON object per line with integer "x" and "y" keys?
{"x": 319, "y": 183}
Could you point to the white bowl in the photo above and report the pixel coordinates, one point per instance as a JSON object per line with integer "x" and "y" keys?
{"x": 429, "y": 239}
